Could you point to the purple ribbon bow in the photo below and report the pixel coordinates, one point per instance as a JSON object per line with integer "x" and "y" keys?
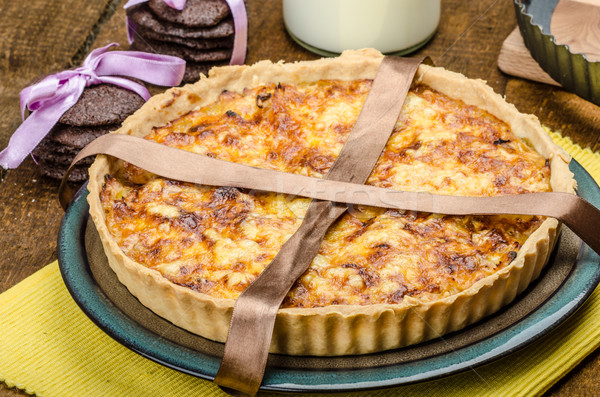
{"x": 49, "y": 99}
{"x": 240, "y": 22}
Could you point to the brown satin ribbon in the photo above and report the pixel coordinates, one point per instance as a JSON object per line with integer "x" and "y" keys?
{"x": 579, "y": 215}
{"x": 251, "y": 328}
{"x": 253, "y": 318}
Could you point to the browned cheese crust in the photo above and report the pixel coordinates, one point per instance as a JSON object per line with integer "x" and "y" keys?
{"x": 218, "y": 240}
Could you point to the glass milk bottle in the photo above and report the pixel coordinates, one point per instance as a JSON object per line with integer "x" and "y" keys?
{"x": 329, "y": 27}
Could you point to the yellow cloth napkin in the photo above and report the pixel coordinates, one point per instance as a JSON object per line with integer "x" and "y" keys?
{"x": 49, "y": 347}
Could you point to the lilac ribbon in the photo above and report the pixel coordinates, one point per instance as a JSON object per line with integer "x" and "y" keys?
{"x": 49, "y": 99}
{"x": 240, "y": 22}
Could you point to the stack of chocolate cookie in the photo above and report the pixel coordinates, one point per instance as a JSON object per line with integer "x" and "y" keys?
{"x": 100, "y": 109}
{"x": 202, "y": 33}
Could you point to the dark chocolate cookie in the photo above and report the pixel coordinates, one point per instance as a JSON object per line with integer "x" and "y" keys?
{"x": 145, "y": 20}
{"x": 78, "y": 137}
{"x": 194, "y": 69}
{"x": 195, "y": 13}
{"x": 182, "y": 51}
{"x": 40, "y": 153}
{"x": 48, "y": 147}
{"x": 101, "y": 105}
{"x": 57, "y": 171}
{"x": 199, "y": 44}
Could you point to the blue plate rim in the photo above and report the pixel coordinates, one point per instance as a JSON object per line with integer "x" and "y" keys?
{"x": 87, "y": 294}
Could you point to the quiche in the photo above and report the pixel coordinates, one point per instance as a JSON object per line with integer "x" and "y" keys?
{"x": 382, "y": 278}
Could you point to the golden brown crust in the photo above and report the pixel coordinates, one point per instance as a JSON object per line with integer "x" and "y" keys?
{"x": 357, "y": 329}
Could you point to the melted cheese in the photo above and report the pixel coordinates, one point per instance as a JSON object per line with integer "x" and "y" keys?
{"x": 217, "y": 240}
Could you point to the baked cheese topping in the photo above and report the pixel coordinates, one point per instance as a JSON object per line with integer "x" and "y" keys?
{"x": 218, "y": 240}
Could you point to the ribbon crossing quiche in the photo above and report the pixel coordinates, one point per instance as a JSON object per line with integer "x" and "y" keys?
{"x": 382, "y": 278}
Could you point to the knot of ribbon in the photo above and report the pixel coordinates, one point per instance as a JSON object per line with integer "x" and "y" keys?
{"x": 240, "y": 23}
{"x": 49, "y": 99}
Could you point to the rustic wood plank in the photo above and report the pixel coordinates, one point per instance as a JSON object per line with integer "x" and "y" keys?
{"x": 515, "y": 60}
{"x": 560, "y": 110}
{"x": 40, "y": 37}
{"x": 6, "y": 391}
{"x": 31, "y": 217}
{"x": 114, "y": 30}
{"x": 468, "y": 42}
{"x": 268, "y": 38}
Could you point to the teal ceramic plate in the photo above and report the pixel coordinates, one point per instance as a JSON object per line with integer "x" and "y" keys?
{"x": 569, "y": 278}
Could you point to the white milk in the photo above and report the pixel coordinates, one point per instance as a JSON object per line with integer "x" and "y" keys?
{"x": 391, "y": 26}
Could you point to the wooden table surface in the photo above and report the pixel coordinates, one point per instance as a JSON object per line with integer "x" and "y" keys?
{"x": 46, "y": 36}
